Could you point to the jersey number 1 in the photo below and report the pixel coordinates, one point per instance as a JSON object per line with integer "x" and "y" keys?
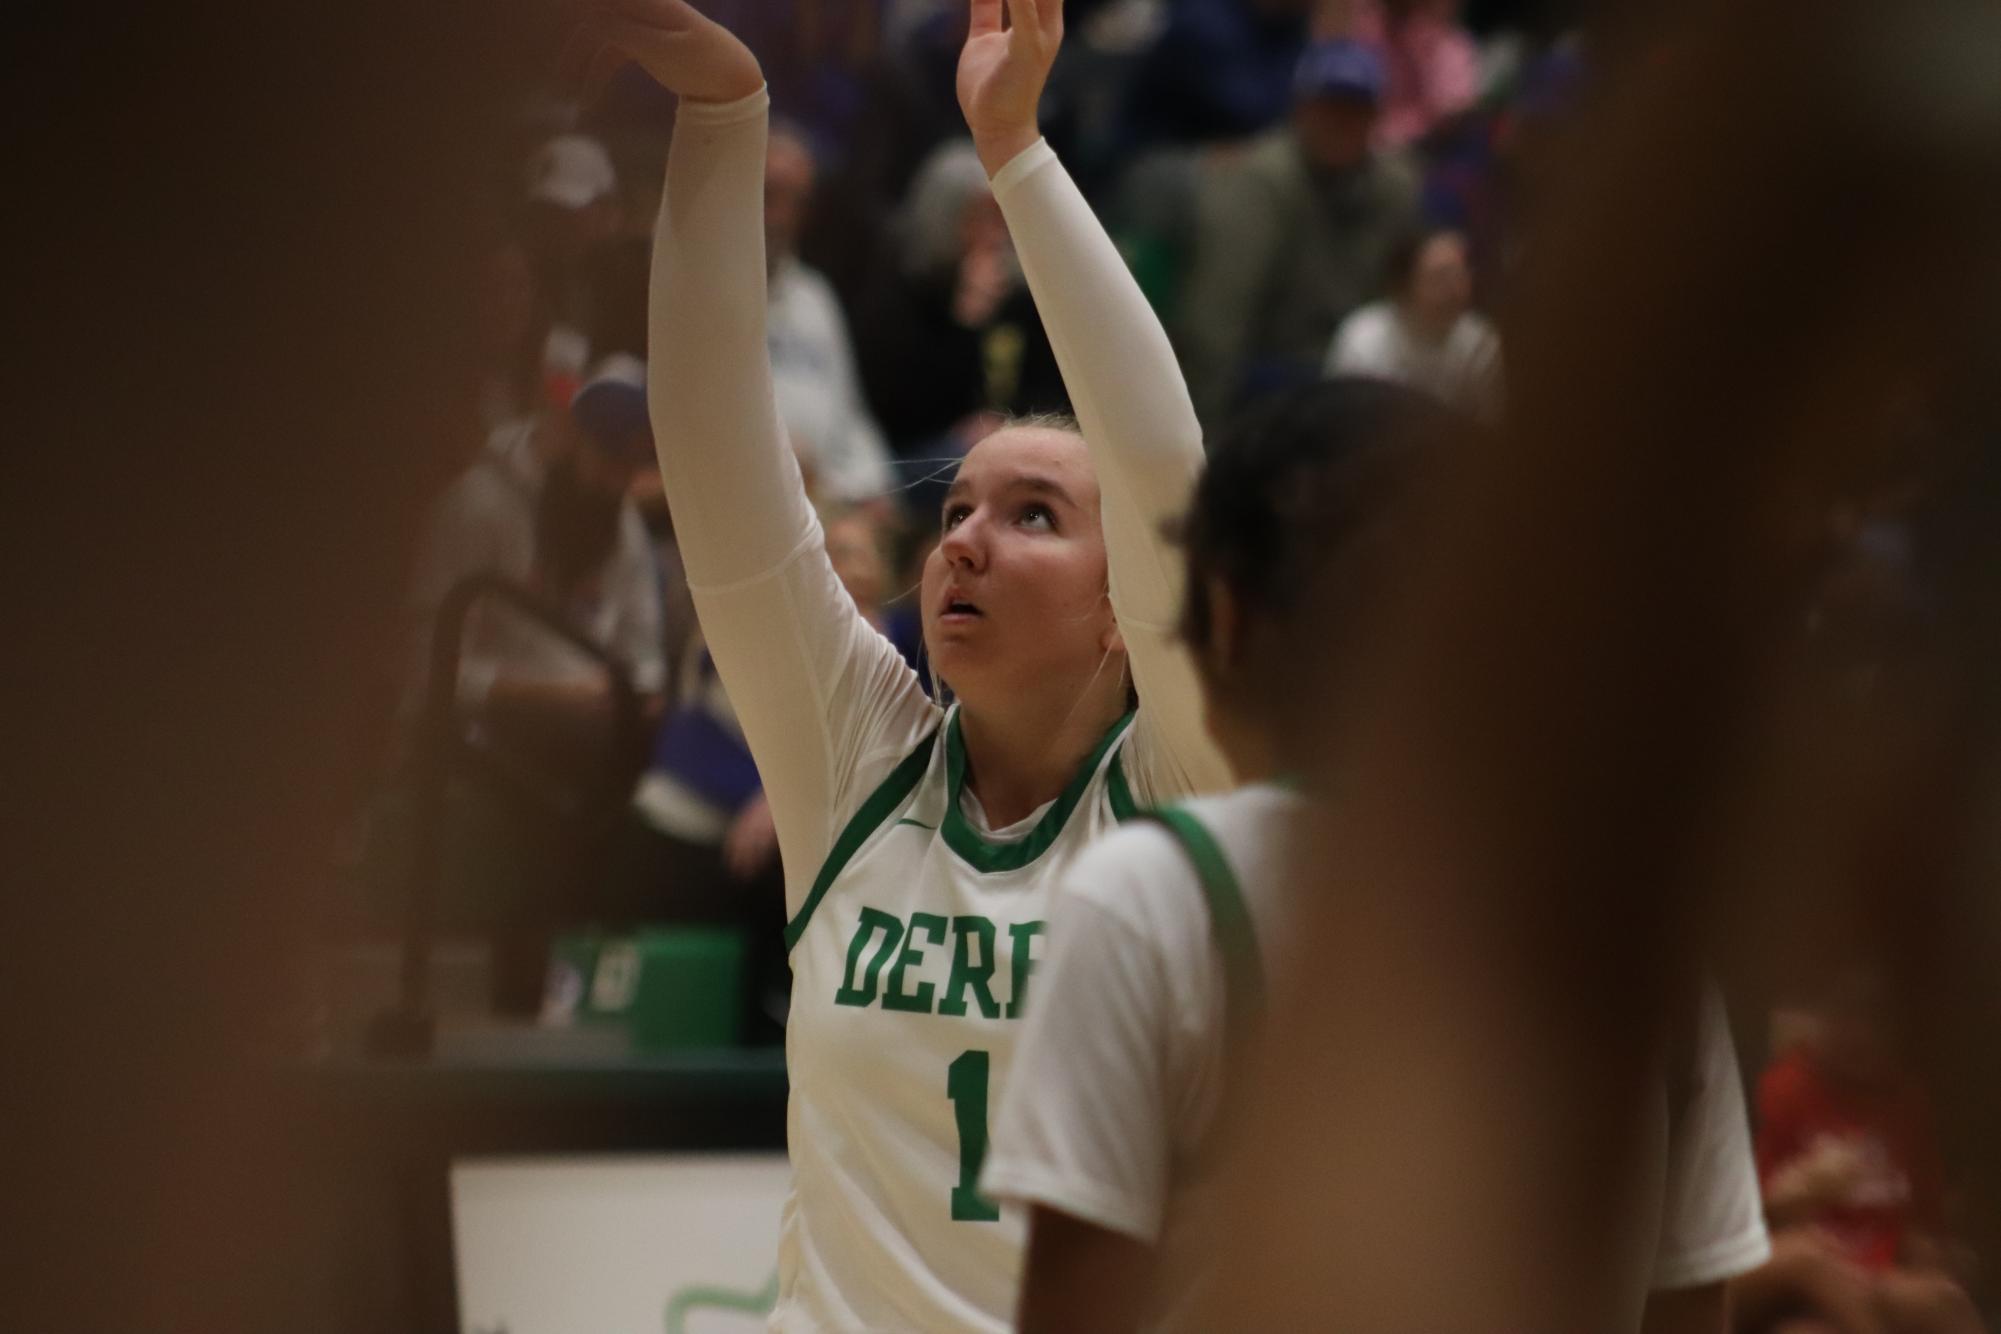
{"x": 966, "y": 1086}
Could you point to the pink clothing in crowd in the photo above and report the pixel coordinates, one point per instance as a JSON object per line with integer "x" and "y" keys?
{"x": 1434, "y": 67}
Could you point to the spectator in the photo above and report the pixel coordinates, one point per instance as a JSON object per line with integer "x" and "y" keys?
{"x": 1425, "y": 333}
{"x": 812, "y": 359}
{"x": 545, "y": 507}
{"x": 701, "y": 847}
{"x": 950, "y": 335}
{"x": 1291, "y": 235}
{"x": 1853, "y": 1186}
{"x": 1431, "y": 64}
{"x": 573, "y": 211}
{"x": 1221, "y": 69}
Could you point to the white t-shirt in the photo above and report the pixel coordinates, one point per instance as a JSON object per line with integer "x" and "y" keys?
{"x": 1463, "y": 371}
{"x": 887, "y": 1119}
{"x": 1119, "y": 1074}
{"x": 1712, "y": 1215}
{"x": 819, "y": 396}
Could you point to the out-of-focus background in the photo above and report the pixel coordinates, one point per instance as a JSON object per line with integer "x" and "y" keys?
{"x": 382, "y": 855}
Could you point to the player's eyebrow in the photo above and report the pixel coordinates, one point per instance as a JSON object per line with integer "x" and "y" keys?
{"x": 1036, "y": 484}
{"x": 1032, "y": 483}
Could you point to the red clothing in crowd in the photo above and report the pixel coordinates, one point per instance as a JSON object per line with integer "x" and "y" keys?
{"x": 1800, "y": 1106}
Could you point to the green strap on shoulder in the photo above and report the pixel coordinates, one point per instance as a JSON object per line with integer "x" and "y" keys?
{"x": 882, "y": 803}
{"x": 1229, "y": 917}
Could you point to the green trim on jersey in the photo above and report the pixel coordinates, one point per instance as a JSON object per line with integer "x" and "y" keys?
{"x": 883, "y": 802}
{"x": 1120, "y": 792}
{"x": 1229, "y": 918}
{"x": 987, "y": 856}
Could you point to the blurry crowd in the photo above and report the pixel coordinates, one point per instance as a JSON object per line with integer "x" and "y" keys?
{"x": 1303, "y": 187}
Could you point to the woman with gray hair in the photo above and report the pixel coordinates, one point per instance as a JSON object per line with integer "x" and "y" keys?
{"x": 948, "y": 336}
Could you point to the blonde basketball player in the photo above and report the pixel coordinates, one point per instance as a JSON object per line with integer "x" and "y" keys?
{"x": 920, "y": 845}
{"x": 1162, "y": 931}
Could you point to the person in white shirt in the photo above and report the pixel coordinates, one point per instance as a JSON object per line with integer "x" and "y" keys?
{"x": 812, "y": 357}
{"x": 1163, "y": 931}
{"x": 1426, "y": 333}
{"x": 920, "y": 842}
{"x": 545, "y": 507}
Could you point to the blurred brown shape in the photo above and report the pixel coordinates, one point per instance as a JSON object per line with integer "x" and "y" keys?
{"x": 1759, "y": 293}
{"x": 243, "y": 273}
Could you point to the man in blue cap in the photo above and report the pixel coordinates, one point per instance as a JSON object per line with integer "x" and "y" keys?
{"x": 546, "y": 507}
{"x": 1291, "y": 234}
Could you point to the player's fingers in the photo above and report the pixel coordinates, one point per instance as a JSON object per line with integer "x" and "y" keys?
{"x": 1036, "y": 25}
{"x": 986, "y": 18}
{"x": 1049, "y": 19}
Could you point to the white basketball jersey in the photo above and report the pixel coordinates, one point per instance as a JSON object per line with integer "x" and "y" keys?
{"x": 911, "y": 960}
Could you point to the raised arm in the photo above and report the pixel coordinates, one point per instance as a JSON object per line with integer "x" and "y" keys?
{"x": 1119, "y": 369}
{"x": 818, "y": 692}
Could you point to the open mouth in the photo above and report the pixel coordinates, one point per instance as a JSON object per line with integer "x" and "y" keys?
{"x": 959, "y": 609}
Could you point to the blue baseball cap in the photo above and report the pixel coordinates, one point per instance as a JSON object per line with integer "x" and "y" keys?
{"x": 610, "y": 408}
{"x": 1340, "y": 68}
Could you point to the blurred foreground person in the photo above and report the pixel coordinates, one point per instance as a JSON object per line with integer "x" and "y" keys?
{"x": 1526, "y": 792}
{"x": 1150, "y": 1003}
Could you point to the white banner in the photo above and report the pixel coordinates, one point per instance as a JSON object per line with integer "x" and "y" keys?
{"x": 680, "y": 1244}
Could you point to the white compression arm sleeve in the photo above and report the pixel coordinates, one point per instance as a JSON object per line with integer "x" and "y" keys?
{"x": 826, "y": 704}
{"x": 1145, "y": 443}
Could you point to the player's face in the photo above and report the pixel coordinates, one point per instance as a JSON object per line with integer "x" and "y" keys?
{"x": 1015, "y": 595}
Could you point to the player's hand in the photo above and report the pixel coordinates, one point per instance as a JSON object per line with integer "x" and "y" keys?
{"x": 1009, "y": 48}
{"x": 685, "y": 51}
{"x": 752, "y": 840}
